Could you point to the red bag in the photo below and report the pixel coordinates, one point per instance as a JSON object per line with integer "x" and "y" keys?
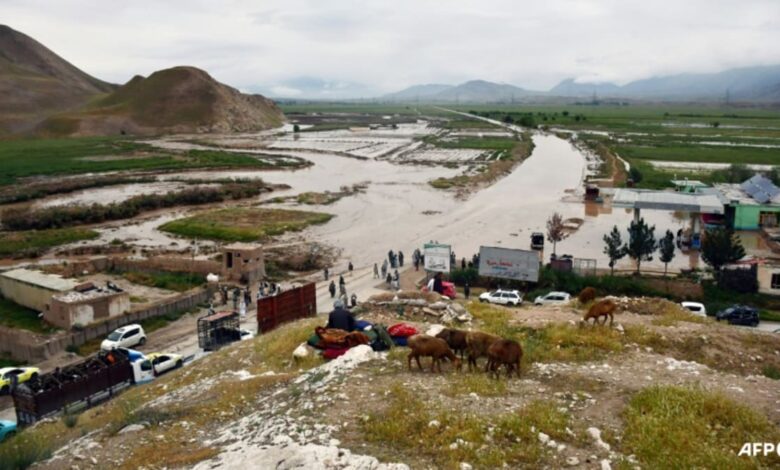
{"x": 333, "y": 353}
{"x": 403, "y": 330}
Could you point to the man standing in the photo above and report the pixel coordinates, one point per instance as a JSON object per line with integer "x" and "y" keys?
{"x": 400, "y": 258}
{"x": 350, "y": 267}
{"x": 325, "y": 271}
{"x": 466, "y": 289}
{"x": 376, "y": 271}
{"x": 332, "y": 289}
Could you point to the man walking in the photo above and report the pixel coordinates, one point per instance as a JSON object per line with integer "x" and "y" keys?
{"x": 376, "y": 271}
{"x": 400, "y": 258}
{"x": 350, "y": 267}
{"x": 332, "y": 289}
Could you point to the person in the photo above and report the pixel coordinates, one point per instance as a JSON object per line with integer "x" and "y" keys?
{"x": 453, "y": 259}
{"x": 466, "y": 289}
{"x": 242, "y": 308}
{"x": 341, "y": 280}
{"x": 384, "y": 269}
{"x": 390, "y": 256}
{"x": 340, "y": 318}
{"x": 332, "y": 289}
{"x": 438, "y": 287}
{"x": 325, "y": 271}
{"x": 260, "y": 292}
{"x": 223, "y": 290}
{"x": 350, "y": 267}
{"x": 417, "y": 264}
{"x": 376, "y": 271}
{"x": 400, "y": 258}
{"x": 236, "y": 295}
{"x": 389, "y": 279}
{"x": 463, "y": 263}
{"x": 342, "y": 290}
{"x": 247, "y": 298}
{"x": 353, "y": 300}
{"x": 396, "y": 280}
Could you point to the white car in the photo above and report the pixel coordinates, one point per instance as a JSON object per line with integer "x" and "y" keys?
{"x": 125, "y": 337}
{"x": 553, "y": 298}
{"x": 163, "y": 362}
{"x": 502, "y": 297}
{"x": 246, "y": 334}
{"x": 695, "y": 308}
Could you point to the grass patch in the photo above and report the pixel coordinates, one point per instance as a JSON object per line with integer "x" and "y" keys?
{"x": 772, "y": 372}
{"x": 481, "y": 384}
{"x": 35, "y": 242}
{"x": 276, "y": 347}
{"x": 173, "y": 280}
{"x": 23, "y": 450}
{"x": 672, "y": 317}
{"x": 15, "y": 316}
{"x": 410, "y": 428}
{"x": 243, "y": 224}
{"x": 676, "y": 427}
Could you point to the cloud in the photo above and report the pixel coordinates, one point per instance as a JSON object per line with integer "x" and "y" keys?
{"x": 386, "y": 46}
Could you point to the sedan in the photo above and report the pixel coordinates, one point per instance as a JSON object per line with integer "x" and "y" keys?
{"x": 553, "y": 298}
{"x": 739, "y": 315}
{"x": 164, "y": 362}
{"x": 22, "y": 374}
{"x": 502, "y": 297}
{"x": 7, "y": 429}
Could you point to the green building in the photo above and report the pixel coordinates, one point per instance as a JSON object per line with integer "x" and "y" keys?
{"x": 751, "y": 205}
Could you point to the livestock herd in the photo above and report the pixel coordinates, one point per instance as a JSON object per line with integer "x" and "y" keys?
{"x": 476, "y": 344}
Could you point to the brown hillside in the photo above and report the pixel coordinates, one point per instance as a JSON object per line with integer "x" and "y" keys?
{"x": 35, "y": 82}
{"x": 179, "y": 99}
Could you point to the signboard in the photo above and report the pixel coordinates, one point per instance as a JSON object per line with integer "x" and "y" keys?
{"x": 437, "y": 257}
{"x": 521, "y": 265}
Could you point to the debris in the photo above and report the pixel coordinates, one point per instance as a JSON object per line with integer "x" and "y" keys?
{"x": 595, "y": 434}
{"x": 572, "y": 461}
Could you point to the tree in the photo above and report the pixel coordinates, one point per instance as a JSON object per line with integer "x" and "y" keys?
{"x": 666, "y": 247}
{"x": 635, "y": 174}
{"x": 641, "y": 242}
{"x": 614, "y": 248}
{"x": 721, "y": 247}
{"x": 555, "y": 229}
{"x": 296, "y": 128}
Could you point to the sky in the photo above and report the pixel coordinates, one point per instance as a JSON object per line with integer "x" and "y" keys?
{"x": 341, "y": 48}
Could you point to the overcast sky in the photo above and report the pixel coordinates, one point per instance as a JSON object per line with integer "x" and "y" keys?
{"x": 288, "y": 47}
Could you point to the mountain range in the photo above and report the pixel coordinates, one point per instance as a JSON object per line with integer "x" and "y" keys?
{"x": 760, "y": 84}
{"x": 43, "y": 94}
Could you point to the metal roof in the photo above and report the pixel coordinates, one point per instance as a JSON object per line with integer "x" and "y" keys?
{"x": 40, "y": 279}
{"x": 760, "y": 188}
{"x": 704, "y": 203}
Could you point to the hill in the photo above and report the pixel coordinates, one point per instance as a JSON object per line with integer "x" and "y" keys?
{"x": 35, "y": 82}
{"x": 178, "y": 99}
{"x": 474, "y": 91}
{"x": 417, "y": 92}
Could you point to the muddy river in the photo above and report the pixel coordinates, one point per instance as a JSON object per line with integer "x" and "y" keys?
{"x": 399, "y": 210}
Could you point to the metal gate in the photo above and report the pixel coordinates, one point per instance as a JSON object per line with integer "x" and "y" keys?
{"x": 288, "y": 306}
{"x": 584, "y": 266}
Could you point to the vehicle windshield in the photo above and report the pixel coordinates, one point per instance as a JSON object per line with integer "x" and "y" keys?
{"x": 115, "y": 336}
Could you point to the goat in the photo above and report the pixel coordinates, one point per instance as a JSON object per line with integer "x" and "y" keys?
{"x": 436, "y": 348}
{"x": 586, "y": 295}
{"x": 456, "y": 339}
{"x": 604, "y": 308}
{"x": 477, "y": 344}
{"x": 505, "y": 352}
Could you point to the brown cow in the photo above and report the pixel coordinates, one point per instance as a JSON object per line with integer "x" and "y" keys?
{"x": 604, "y": 308}
{"x": 586, "y": 295}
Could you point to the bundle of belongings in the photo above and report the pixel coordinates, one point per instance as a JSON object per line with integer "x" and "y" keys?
{"x": 335, "y": 342}
{"x": 400, "y": 332}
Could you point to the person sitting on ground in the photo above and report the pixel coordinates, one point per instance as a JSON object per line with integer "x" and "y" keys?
{"x": 340, "y": 317}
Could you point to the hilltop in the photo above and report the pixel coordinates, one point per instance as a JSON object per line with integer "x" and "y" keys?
{"x": 35, "y": 82}
{"x": 175, "y": 100}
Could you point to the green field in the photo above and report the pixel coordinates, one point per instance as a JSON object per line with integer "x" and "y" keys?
{"x": 243, "y": 224}
{"x": 34, "y": 157}
{"x": 175, "y": 281}
{"x": 32, "y": 242}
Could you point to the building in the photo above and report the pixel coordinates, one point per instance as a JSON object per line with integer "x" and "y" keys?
{"x": 769, "y": 278}
{"x": 243, "y": 262}
{"x": 33, "y": 289}
{"x": 86, "y": 304}
{"x": 751, "y": 205}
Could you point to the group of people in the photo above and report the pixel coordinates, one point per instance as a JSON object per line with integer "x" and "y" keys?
{"x": 242, "y": 298}
{"x": 342, "y": 290}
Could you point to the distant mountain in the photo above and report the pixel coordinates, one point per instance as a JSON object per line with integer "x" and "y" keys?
{"x": 35, "y": 82}
{"x": 174, "y": 100}
{"x": 417, "y": 92}
{"x": 474, "y": 91}
{"x": 756, "y": 84}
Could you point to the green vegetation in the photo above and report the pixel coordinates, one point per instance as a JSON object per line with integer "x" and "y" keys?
{"x": 61, "y": 216}
{"x": 32, "y": 157}
{"x": 16, "y": 316}
{"x": 21, "y": 193}
{"x": 176, "y": 281}
{"x": 484, "y": 442}
{"x": 35, "y": 242}
{"x": 676, "y": 427}
{"x": 243, "y": 224}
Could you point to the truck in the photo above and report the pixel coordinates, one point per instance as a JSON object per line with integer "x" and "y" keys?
{"x": 218, "y": 329}
{"x": 80, "y": 386}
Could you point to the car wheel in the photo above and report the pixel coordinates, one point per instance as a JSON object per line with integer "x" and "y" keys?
{"x": 143, "y": 341}
{"x": 5, "y": 390}
{"x": 10, "y": 435}
{"x": 179, "y": 364}
{"x": 34, "y": 376}
{"x": 755, "y": 324}
{"x": 482, "y": 301}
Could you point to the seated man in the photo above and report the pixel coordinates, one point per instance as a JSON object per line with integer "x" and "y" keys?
{"x": 340, "y": 317}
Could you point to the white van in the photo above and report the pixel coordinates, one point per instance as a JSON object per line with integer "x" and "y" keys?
{"x": 124, "y": 337}
{"x": 695, "y": 308}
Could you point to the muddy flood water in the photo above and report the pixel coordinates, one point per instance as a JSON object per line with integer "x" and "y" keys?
{"x": 400, "y": 210}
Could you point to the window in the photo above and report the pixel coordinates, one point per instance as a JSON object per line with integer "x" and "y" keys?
{"x": 776, "y": 281}
{"x": 146, "y": 366}
{"x": 131, "y": 333}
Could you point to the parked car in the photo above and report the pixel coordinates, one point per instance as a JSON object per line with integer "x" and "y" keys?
{"x": 695, "y": 308}
{"x": 502, "y": 297}
{"x": 7, "y": 429}
{"x": 739, "y": 315}
{"x": 163, "y": 362}
{"x": 23, "y": 374}
{"x": 553, "y": 298}
{"x": 125, "y": 337}
{"x": 246, "y": 334}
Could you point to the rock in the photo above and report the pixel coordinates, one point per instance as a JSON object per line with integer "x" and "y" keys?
{"x": 301, "y": 351}
{"x": 605, "y": 465}
{"x": 430, "y": 312}
{"x": 572, "y": 461}
{"x": 434, "y": 330}
{"x": 457, "y": 308}
{"x": 544, "y": 438}
{"x": 595, "y": 434}
{"x": 132, "y": 428}
{"x": 78, "y": 456}
{"x": 620, "y": 328}
{"x": 93, "y": 460}
{"x": 434, "y": 424}
{"x": 465, "y": 466}
{"x": 438, "y": 306}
